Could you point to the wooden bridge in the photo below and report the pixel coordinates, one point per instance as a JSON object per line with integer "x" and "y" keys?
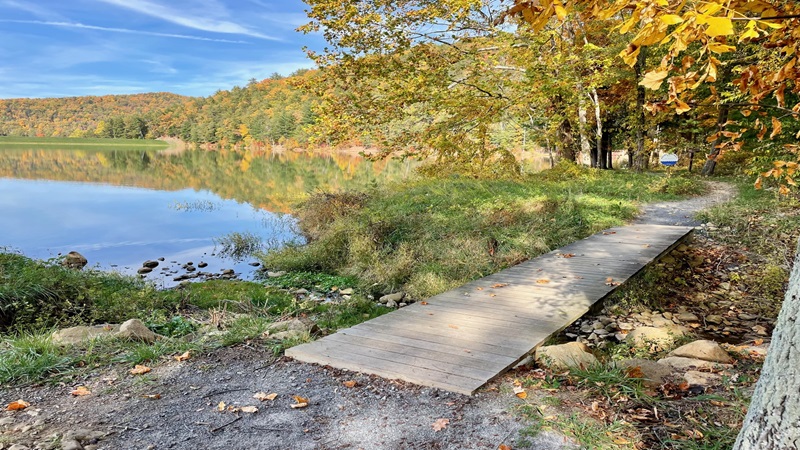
{"x": 461, "y": 339}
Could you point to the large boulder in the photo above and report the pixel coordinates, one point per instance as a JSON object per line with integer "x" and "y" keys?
{"x": 135, "y": 330}
{"x": 76, "y": 335}
{"x": 705, "y": 350}
{"x": 74, "y": 260}
{"x": 564, "y": 356}
{"x": 681, "y": 363}
{"x": 652, "y": 373}
{"x": 661, "y": 338}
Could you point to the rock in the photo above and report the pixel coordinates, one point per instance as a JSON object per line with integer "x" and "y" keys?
{"x": 625, "y": 326}
{"x": 572, "y": 354}
{"x": 202, "y": 264}
{"x": 391, "y": 304}
{"x": 161, "y": 258}
{"x": 661, "y": 337}
{"x": 661, "y": 322}
{"x": 587, "y": 329}
{"x": 277, "y": 274}
{"x": 191, "y": 268}
{"x": 396, "y": 297}
{"x": 150, "y": 264}
{"x": 703, "y": 349}
{"x": 681, "y": 363}
{"x": 760, "y": 329}
{"x": 687, "y": 317}
{"x": 348, "y": 291}
{"x": 18, "y": 447}
{"x": 71, "y": 444}
{"x": 725, "y": 286}
{"x": 255, "y": 263}
{"x": 597, "y": 325}
{"x": 291, "y": 328}
{"x": 300, "y": 291}
{"x": 6, "y": 421}
{"x": 757, "y": 351}
{"x": 705, "y": 379}
{"x": 714, "y": 319}
{"x": 744, "y": 316}
{"x": 653, "y": 373}
{"x": 76, "y": 335}
{"x": 144, "y": 270}
{"x": 135, "y": 330}
{"x": 667, "y": 315}
{"x": 74, "y": 260}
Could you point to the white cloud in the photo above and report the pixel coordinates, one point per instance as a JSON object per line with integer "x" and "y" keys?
{"x": 121, "y": 30}
{"x": 198, "y": 20}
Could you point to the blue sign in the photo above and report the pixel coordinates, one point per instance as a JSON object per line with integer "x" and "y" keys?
{"x": 669, "y": 159}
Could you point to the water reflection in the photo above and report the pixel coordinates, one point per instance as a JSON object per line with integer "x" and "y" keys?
{"x": 122, "y": 207}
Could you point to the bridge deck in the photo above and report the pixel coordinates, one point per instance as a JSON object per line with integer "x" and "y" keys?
{"x": 461, "y": 339}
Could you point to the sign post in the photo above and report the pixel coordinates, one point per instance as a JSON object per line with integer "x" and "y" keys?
{"x": 668, "y": 160}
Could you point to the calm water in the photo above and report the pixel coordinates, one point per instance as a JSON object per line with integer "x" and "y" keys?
{"x": 121, "y": 207}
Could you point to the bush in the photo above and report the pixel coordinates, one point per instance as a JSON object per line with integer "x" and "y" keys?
{"x": 677, "y": 185}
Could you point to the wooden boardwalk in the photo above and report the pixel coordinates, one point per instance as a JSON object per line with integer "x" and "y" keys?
{"x": 463, "y": 338}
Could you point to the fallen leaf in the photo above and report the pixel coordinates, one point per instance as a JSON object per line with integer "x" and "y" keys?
{"x": 567, "y": 255}
{"x": 479, "y": 288}
{"x": 81, "y": 391}
{"x": 152, "y": 396}
{"x": 221, "y": 406}
{"x": 503, "y": 447}
{"x": 440, "y": 424}
{"x": 499, "y": 285}
{"x": 140, "y": 370}
{"x": 249, "y": 409}
{"x": 634, "y": 372}
{"x": 609, "y": 232}
{"x": 543, "y": 281}
{"x": 350, "y": 383}
{"x": 519, "y": 391}
{"x": 758, "y": 342}
{"x": 300, "y": 402}
{"x": 492, "y": 295}
{"x": 18, "y": 405}
{"x": 455, "y": 327}
{"x": 183, "y": 357}
{"x": 423, "y": 303}
{"x": 264, "y": 396}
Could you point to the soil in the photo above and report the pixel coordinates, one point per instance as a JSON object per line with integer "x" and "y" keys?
{"x": 177, "y": 405}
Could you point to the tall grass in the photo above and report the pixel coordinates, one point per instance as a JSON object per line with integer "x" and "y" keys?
{"x": 429, "y": 235}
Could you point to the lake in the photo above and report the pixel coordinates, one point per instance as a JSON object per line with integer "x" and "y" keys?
{"x": 120, "y": 204}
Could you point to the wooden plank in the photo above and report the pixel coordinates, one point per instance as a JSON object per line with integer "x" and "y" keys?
{"x": 465, "y": 337}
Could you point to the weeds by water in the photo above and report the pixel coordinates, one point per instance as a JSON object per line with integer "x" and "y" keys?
{"x": 238, "y": 246}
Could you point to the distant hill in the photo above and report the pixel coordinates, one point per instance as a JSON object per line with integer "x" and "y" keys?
{"x": 269, "y": 111}
{"x": 83, "y": 116}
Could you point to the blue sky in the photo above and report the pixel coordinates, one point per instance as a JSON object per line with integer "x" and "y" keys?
{"x": 62, "y": 48}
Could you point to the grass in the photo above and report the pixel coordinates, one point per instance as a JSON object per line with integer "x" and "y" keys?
{"x": 29, "y": 357}
{"x": 430, "y": 235}
{"x": 79, "y": 142}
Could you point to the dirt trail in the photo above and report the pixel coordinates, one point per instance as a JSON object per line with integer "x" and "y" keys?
{"x": 682, "y": 212}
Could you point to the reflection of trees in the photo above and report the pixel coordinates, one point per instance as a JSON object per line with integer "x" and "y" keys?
{"x": 262, "y": 178}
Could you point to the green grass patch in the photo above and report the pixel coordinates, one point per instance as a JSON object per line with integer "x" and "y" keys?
{"x": 321, "y": 282}
{"x": 29, "y": 357}
{"x": 429, "y": 235}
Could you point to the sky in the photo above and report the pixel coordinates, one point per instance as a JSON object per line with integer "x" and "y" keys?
{"x": 65, "y": 48}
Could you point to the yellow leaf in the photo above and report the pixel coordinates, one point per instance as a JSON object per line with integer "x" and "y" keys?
{"x": 783, "y": 190}
{"x": 186, "y": 355}
{"x": 152, "y": 396}
{"x": 681, "y": 107}
{"x": 652, "y": 80}
{"x": 519, "y": 391}
{"x": 759, "y": 184}
{"x": 18, "y": 405}
{"x": 350, "y": 383}
{"x": 300, "y": 402}
{"x": 249, "y": 409}
{"x": 543, "y": 281}
{"x": 777, "y": 127}
{"x": 750, "y": 32}
{"x": 719, "y": 26}
{"x": 139, "y": 370}
{"x": 221, "y": 406}
{"x": 80, "y": 391}
{"x": 671, "y": 19}
{"x": 561, "y": 13}
{"x": 720, "y": 48}
{"x": 264, "y": 396}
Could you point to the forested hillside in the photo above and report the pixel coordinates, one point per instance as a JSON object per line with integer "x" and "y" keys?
{"x": 84, "y": 116}
{"x": 268, "y": 111}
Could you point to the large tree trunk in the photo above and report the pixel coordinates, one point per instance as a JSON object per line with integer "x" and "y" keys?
{"x": 598, "y": 134}
{"x": 585, "y": 145}
{"x": 773, "y": 420}
{"x": 640, "y": 160}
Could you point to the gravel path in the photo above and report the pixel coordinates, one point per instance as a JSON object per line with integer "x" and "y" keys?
{"x": 682, "y": 212}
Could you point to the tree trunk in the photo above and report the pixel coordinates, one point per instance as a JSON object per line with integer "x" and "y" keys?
{"x": 639, "y": 162}
{"x": 598, "y": 135}
{"x": 773, "y": 419}
{"x": 585, "y": 146}
{"x": 567, "y": 150}
{"x": 711, "y": 163}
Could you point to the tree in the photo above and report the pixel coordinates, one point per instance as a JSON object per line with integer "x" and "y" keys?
{"x": 772, "y": 418}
